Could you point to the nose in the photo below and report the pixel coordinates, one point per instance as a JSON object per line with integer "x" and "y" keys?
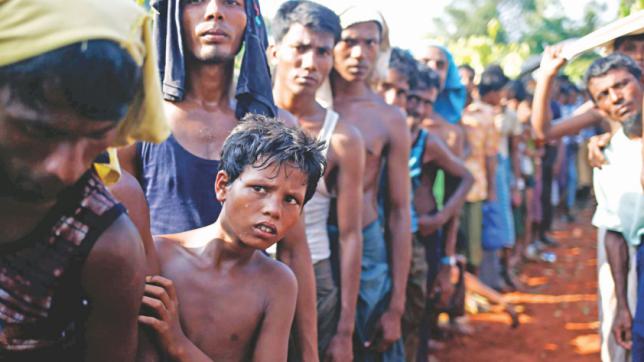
{"x": 615, "y": 95}
{"x": 66, "y": 162}
{"x": 308, "y": 60}
{"x": 272, "y": 208}
{"x": 213, "y": 10}
{"x": 357, "y": 52}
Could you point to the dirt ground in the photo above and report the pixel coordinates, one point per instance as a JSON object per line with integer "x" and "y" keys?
{"x": 559, "y": 317}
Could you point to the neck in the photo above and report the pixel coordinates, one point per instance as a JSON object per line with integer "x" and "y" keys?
{"x": 19, "y": 219}
{"x": 209, "y": 84}
{"x": 348, "y": 89}
{"x": 227, "y": 248}
{"x": 300, "y": 105}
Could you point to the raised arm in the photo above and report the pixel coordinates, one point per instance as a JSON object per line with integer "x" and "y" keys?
{"x": 348, "y": 147}
{"x": 272, "y": 339}
{"x": 113, "y": 278}
{"x": 551, "y": 62}
{"x": 294, "y": 251}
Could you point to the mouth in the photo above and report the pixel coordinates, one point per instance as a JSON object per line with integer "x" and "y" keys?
{"x": 266, "y": 230}
{"x": 214, "y": 35}
{"x": 306, "y": 79}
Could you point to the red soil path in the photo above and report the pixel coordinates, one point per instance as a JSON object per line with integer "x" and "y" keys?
{"x": 559, "y": 318}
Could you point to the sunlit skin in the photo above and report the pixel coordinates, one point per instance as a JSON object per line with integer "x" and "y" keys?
{"x": 214, "y": 30}
{"x": 394, "y": 88}
{"x": 618, "y": 94}
{"x": 434, "y": 58}
{"x": 386, "y": 140}
{"x": 204, "y": 268}
{"x": 303, "y": 60}
{"x": 355, "y": 54}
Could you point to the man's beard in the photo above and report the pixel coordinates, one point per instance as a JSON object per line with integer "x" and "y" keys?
{"x": 633, "y": 125}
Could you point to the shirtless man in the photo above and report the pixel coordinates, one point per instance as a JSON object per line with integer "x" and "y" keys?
{"x": 71, "y": 263}
{"x": 429, "y": 154}
{"x": 305, "y": 34}
{"x": 237, "y": 304}
{"x": 178, "y": 175}
{"x": 381, "y": 299}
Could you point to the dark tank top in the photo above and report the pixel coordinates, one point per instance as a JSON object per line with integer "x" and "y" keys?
{"x": 43, "y": 308}
{"x": 179, "y": 187}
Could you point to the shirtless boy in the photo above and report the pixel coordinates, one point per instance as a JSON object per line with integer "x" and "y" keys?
{"x": 305, "y": 34}
{"x": 385, "y": 264}
{"x": 237, "y": 304}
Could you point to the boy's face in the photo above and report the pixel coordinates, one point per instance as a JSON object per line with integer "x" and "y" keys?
{"x": 304, "y": 59}
{"x": 214, "y": 29}
{"x": 634, "y": 48}
{"x": 262, "y": 204}
{"x": 617, "y": 93}
{"x": 394, "y": 89}
{"x": 419, "y": 105}
{"x": 43, "y": 151}
{"x": 356, "y": 53}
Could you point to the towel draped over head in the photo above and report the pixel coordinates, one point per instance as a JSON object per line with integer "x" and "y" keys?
{"x": 33, "y": 27}
{"x": 254, "y": 89}
{"x": 451, "y": 100}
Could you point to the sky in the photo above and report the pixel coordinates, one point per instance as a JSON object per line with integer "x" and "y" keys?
{"x": 407, "y": 28}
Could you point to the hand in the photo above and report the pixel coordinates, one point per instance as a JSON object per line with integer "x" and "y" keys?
{"x": 551, "y": 61}
{"x": 444, "y": 284}
{"x": 160, "y": 298}
{"x": 428, "y": 224}
{"x": 622, "y": 325}
{"x": 340, "y": 348}
{"x": 386, "y": 333}
{"x": 595, "y": 146}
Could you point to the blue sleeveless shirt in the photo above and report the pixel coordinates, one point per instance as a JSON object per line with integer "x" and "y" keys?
{"x": 415, "y": 170}
{"x": 179, "y": 187}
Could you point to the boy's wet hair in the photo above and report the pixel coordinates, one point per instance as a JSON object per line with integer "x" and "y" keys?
{"x": 98, "y": 79}
{"x": 516, "y": 90}
{"x": 313, "y": 16}
{"x": 259, "y": 141}
{"x": 492, "y": 79}
{"x": 602, "y": 66}
{"x": 426, "y": 78}
{"x": 404, "y": 63}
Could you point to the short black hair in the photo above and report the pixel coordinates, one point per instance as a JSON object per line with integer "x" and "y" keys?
{"x": 619, "y": 41}
{"x": 98, "y": 79}
{"x": 404, "y": 63}
{"x": 492, "y": 79}
{"x": 516, "y": 90}
{"x": 427, "y": 78}
{"x": 311, "y": 15}
{"x": 602, "y": 66}
{"x": 260, "y": 142}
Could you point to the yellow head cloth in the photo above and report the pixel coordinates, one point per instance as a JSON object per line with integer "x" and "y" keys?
{"x": 29, "y": 28}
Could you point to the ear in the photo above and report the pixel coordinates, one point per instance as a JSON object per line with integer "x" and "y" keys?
{"x": 271, "y": 52}
{"x": 221, "y": 186}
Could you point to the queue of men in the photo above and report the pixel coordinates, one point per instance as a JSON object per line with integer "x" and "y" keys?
{"x": 314, "y": 204}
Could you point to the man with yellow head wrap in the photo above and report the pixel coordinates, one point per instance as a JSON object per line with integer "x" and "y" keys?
{"x": 76, "y": 77}
{"x": 381, "y": 300}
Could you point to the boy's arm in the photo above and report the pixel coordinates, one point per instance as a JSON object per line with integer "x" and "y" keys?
{"x": 617, "y": 255}
{"x": 551, "y": 62}
{"x": 294, "y": 251}
{"x": 112, "y": 277}
{"x": 272, "y": 339}
{"x": 399, "y": 222}
{"x": 128, "y": 159}
{"x": 349, "y": 148}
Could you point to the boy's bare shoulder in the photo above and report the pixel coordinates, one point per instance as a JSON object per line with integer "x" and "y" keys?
{"x": 275, "y": 274}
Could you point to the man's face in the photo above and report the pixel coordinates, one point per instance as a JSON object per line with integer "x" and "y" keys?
{"x": 304, "y": 59}
{"x": 420, "y": 105}
{"x": 634, "y": 48}
{"x": 492, "y": 98}
{"x": 394, "y": 88}
{"x": 617, "y": 93}
{"x": 436, "y": 59}
{"x": 44, "y": 151}
{"x": 357, "y": 51}
{"x": 262, "y": 204}
{"x": 214, "y": 29}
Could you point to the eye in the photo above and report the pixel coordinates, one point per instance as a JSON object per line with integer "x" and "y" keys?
{"x": 258, "y": 188}
{"x": 350, "y": 42}
{"x": 292, "y": 200}
{"x": 188, "y": 2}
{"x": 232, "y": 2}
{"x": 300, "y": 48}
